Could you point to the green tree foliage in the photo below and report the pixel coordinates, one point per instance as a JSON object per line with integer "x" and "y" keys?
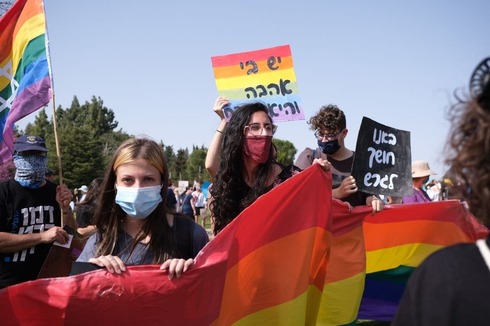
{"x": 171, "y": 157}
{"x": 180, "y": 164}
{"x": 285, "y": 151}
{"x": 195, "y": 166}
{"x": 86, "y": 139}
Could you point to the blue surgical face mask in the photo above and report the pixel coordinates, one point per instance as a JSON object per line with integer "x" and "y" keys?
{"x": 30, "y": 170}
{"x": 138, "y": 202}
{"x": 329, "y": 147}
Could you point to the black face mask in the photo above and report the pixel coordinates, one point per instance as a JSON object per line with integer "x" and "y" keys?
{"x": 329, "y": 147}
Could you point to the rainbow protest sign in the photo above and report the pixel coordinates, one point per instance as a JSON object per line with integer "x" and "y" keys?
{"x": 264, "y": 75}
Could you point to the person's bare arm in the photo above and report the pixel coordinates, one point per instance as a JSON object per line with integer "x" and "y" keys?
{"x": 214, "y": 150}
{"x": 63, "y": 197}
{"x": 10, "y": 243}
{"x": 87, "y": 231}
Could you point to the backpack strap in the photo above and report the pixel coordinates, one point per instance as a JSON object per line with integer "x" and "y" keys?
{"x": 485, "y": 252}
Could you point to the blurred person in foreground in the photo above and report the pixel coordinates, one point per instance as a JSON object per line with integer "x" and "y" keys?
{"x": 452, "y": 286}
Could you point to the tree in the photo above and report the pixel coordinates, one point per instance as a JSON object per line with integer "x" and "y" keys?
{"x": 86, "y": 136}
{"x": 285, "y": 151}
{"x": 195, "y": 164}
{"x": 171, "y": 158}
{"x": 180, "y": 164}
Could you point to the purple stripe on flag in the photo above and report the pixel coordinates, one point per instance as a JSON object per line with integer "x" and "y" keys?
{"x": 27, "y": 101}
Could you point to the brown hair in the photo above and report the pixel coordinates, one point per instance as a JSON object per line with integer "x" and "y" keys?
{"x": 469, "y": 152}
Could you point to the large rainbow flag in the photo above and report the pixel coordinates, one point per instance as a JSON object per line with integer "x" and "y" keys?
{"x": 294, "y": 257}
{"x": 268, "y": 267}
{"x": 25, "y": 83}
{"x": 399, "y": 238}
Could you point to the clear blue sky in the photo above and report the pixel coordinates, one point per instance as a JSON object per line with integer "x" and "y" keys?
{"x": 396, "y": 62}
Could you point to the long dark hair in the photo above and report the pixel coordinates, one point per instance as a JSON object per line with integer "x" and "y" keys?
{"x": 93, "y": 191}
{"x": 230, "y": 193}
{"x": 109, "y": 216}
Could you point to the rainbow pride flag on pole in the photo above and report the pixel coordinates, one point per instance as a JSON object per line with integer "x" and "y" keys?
{"x": 267, "y": 267}
{"x": 399, "y": 238}
{"x": 25, "y": 83}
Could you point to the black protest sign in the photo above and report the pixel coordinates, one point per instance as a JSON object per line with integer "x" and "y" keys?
{"x": 382, "y": 164}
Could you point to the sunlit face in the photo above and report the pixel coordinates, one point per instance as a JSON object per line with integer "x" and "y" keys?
{"x": 138, "y": 174}
{"x": 259, "y": 124}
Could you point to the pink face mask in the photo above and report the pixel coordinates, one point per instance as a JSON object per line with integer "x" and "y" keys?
{"x": 258, "y": 148}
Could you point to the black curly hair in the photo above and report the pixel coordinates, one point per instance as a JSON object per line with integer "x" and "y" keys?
{"x": 230, "y": 193}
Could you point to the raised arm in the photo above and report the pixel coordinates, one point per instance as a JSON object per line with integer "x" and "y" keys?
{"x": 214, "y": 150}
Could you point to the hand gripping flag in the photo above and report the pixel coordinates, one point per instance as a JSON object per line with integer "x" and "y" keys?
{"x": 25, "y": 84}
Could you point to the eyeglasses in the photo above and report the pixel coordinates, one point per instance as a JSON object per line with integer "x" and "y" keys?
{"x": 320, "y": 135}
{"x": 256, "y": 129}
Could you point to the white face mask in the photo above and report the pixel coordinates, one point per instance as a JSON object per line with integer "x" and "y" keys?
{"x": 138, "y": 202}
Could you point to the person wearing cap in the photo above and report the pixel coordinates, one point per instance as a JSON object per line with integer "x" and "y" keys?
{"x": 420, "y": 176}
{"x": 30, "y": 213}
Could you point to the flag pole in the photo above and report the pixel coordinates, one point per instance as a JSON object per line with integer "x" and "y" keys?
{"x": 55, "y": 128}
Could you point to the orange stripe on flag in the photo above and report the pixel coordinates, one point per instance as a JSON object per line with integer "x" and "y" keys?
{"x": 275, "y": 274}
{"x": 13, "y": 20}
{"x": 234, "y": 70}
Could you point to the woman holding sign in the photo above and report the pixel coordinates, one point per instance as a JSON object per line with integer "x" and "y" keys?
{"x": 247, "y": 168}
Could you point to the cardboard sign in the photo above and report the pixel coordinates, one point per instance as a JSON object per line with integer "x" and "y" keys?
{"x": 382, "y": 164}
{"x": 60, "y": 257}
{"x": 264, "y": 75}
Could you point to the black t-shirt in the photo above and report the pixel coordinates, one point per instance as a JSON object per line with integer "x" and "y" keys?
{"x": 23, "y": 211}
{"x": 451, "y": 287}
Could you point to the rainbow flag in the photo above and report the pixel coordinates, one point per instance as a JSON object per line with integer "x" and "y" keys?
{"x": 399, "y": 238}
{"x": 346, "y": 268}
{"x": 265, "y": 75}
{"x": 25, "y": 83}
{"x": 267, "y": 267}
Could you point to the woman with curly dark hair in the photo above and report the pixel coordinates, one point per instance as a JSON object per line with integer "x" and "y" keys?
{"x": 241, "y": 159}
{"x": 451, "y": 287}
